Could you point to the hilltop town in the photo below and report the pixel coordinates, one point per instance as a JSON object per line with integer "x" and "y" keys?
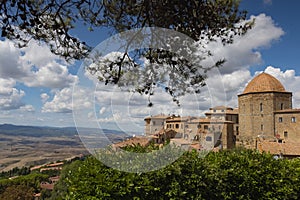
{"x": 264, "y": 120}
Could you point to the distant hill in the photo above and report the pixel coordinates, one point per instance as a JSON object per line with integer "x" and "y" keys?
{"x": 42, "y": 131}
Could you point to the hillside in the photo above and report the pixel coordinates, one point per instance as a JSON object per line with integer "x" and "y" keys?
{"x": 33, "y": 145}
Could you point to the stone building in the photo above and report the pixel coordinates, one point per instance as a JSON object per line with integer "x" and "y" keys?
{"x": 264, "y": 112}
{"x": 287, "y": 125}
{"x": 218, "y": 128}
{"x": 154, "y": 123}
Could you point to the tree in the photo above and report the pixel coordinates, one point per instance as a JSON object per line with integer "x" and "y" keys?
{"x": 52, "y": 21}
{"x": 229, "y": 174}
{"x": 14, "y": 192}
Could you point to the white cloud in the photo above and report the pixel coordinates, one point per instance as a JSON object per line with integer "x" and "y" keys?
{"x": 12, "y": 100}
{"x": 223, "y": 89}
{"x": 10, "y": 97}
{"x": 6, "y": 85}
{"x": 44, "y": 97}
{"x": 10, "y": 66}
{"x": 37, "y": 54}
{"x": 62, "y": 101}
{"x": 34, "y": 66}
{"x": 290, "y": 81}
{"x": 245, "y": 50}
{"x": 27, "y": 108}
{"x": 52, "y": 75}
{"x": 102, "y": 110}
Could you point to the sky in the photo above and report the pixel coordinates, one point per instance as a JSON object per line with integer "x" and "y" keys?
{"x": 37, "y": 87}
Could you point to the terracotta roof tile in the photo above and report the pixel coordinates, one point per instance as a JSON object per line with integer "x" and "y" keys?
{"x": 288, "y": 148}
{"x": 264, "y": 83}
{"x": 161, "y": 116}
{"x": 143, "y": 141}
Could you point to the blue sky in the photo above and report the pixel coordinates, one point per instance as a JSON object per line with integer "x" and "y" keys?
{"x": 282, "y": 53}
{"x": 36, "y": 87}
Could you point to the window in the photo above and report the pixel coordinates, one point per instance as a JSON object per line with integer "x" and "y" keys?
{"x": 281, "y": 106}
{"x": 208, "y": 138}
{"x": 153, "y": 123}
{"x": 293, "y": 119}
{"x": 262, "y": 127}
{"x": 285, "y": 133}
{"x": 205, "y": 127}
{"x": 261, "y": 107}
{"x": 198, "y": 126}
{"x": 214, "y": 110}
{"x": 280, "y": 119}
{"x": 223, "y": 111}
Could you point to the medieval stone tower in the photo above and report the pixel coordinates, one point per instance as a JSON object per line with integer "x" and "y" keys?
{"x": 261, "y": 98}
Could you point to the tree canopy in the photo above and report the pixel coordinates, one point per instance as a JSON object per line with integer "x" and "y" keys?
{"x": 52, "y": 21}
{"x": 229, "y": 174}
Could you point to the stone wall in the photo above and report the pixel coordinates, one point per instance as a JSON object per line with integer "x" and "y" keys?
{"x": 256, "y": 112}
{"x": 287, "y": 126}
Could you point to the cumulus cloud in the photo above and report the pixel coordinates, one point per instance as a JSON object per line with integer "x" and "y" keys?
{"x": 37, "y": 54}
{"x": 290, "y": 81}
{"x": 6, "y": 85}
{"x": 10, "y": 65}
{"x": 245, "y": 50}
{"x": 12, "y": 100}
{"x": 52, "y": 75}
{"x": 63, "y": 102}
{"x": 27, "y": 108}
{"x": 34, "y": 66}
{"x": 44, "y": 97}
{"x": 10, "y": 97}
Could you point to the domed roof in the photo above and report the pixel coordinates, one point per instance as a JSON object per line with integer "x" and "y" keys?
{"x": 264, "y": 83}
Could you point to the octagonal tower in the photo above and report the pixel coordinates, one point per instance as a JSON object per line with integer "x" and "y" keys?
{"x": 263, "y": 95}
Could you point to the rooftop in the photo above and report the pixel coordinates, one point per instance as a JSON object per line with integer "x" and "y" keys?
{"x": 138, "y": 140}
{"x": 288, "y": 149}
{"x": 288, "y": 111}
{"x": 221, "y": 108}
{"x": 179, "y": 119}
{"x": 264, "y": 83}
